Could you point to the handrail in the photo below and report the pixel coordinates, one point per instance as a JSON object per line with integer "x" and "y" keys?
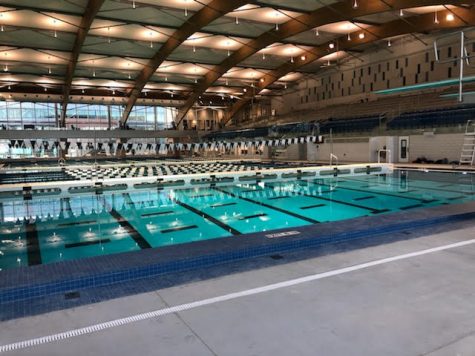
{"x": 469, "y": 123}
{"x": 333, "y": 156}
{"x": 384, "y": 150}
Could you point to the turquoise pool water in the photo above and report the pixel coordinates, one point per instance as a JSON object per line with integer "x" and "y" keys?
{"x": 50, "y": 229}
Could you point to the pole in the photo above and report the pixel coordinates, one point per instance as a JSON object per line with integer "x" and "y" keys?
{"x": 462, "y": 55}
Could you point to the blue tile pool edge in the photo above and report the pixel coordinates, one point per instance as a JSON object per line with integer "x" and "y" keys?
{"x": 271, "y": 246}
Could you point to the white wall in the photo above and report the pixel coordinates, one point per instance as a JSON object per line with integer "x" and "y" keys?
{"x": 433, "y": 147}
{"x": 345, "y": 151}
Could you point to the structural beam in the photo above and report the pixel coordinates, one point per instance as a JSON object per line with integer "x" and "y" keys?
{"x": 202, "y": 18}
{"x": 340, "y": 11}
{"x": 373, "y": 34}
{"x": 92, "y": 9}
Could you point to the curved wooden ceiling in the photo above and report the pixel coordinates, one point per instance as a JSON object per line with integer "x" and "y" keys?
{"x": 187, "y": 49}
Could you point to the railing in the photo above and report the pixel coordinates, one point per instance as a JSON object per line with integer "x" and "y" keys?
{"x": 334, "y": 157}
{"x": 388, "y": 155}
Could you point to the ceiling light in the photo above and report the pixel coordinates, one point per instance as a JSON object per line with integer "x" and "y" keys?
{"x": 263, "y": 56}
{"x": 303, "y": 58}
{"x": 316, "y": 32}
{"x": 237, "y": 20}
{"x": 133, "y": 4}
{"x": 277, "y": 27}
{"x": 401, "y": 13}
{"x": 361, "y": 35}
{"x": 355, "y": 4}
{"x": 389, "y": 43}
{"x": 262, "y": 80}
{"x": 245, "y": 90}
{"x": 348, "y": 37}
{"x": 450, "y": 17}
{"x": 331, "y": 45}
{"x": 291, "y": 59}
{"x": 436, "y": 19}
{"x": 49, "y": 70}
{"x": 5, "y": 68}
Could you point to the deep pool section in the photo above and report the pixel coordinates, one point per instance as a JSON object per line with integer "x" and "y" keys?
{"x": 51, "y": 229}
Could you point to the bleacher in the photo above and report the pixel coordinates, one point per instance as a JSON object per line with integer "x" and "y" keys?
{"x": 433, "y": 118}
{"x": 361, "y": 124}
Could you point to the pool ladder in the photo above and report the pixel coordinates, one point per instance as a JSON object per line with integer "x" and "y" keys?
{"x": 467, "y": 155}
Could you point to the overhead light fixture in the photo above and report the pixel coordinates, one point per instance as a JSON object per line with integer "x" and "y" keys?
{"x": 348, "y": 37}
{"x": 263, "y": 56}
{"x": 245, "y": 90}
{"x": 450, "y": 17}
{"x": 5, "y": 68}
{"x": 291, "y": 59}
{"x": 361, "y": 35}
{"x": 133, "y": 4}
{"x": 389, "y": 43}
{"x": 317, "y": 33}
{"x": 436, "y": 19}
{"x": 355, "y": 4}
{"x": 401, "y": 13}
{"x": 49, "y": 70}
{"x": 303, "y": 57}
{"x": 262, "y": 80}
{"x": 331, "y": 45}
{"x": 237, "y": 20}
{"x": 194, "y": 49}
{"x": 277, "y": 27}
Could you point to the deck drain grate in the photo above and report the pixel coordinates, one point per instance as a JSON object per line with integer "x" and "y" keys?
{"x": 276, "y": 257}
{"x": 72, "y": 295}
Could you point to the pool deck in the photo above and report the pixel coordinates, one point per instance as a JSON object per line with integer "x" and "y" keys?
{"x": 413, "y": 304}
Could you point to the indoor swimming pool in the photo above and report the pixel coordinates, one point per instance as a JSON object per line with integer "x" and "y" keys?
{"x": 50, "y": 229}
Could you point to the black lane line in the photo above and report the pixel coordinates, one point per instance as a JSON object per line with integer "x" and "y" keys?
{"x": 209, "y": 217}
{"x": 411, "y": 206}
{"x": 32, "y": 245}
{"x": 179, "y": 228}
{"x": 78, "y": 223}
{"x": 269, "y": 206}
{"x": 312, "y": 206}
{"x": 364, "y": 198}
{"x": 134, "y": 234}
{"x": 87, "y": 243}
{"x": 221, "y": 205}
{"x": 373, "y": 210}
{"x": 158, "y": 213}
{"x": 252, "y": 216}
{"x": 200, "y": 196}
{"x": 276, "y": 198}
{"x": 416, "y": 188}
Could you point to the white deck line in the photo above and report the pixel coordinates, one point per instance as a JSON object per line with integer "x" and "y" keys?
{"x": 219, "y": 299}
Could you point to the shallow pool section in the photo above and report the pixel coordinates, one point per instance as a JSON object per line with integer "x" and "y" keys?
{"x": 51, "y": 229}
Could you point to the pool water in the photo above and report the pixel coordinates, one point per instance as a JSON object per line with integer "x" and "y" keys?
{"x": 51, "y": 229}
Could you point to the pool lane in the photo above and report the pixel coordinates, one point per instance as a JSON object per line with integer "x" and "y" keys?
{"x": 162, "y": 220}
{"x": 289, "y": 197}
{"x": 13, "y": 246}
{"x": 425, "y": 190}
{"x": 81, "y": 237}
{"x": 242, "y": 215}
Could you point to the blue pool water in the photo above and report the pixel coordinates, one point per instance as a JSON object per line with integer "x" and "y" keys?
{"x": 51, "y": 229}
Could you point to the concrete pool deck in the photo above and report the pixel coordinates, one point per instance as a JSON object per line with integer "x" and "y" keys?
{"x": 420, "y": 305}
